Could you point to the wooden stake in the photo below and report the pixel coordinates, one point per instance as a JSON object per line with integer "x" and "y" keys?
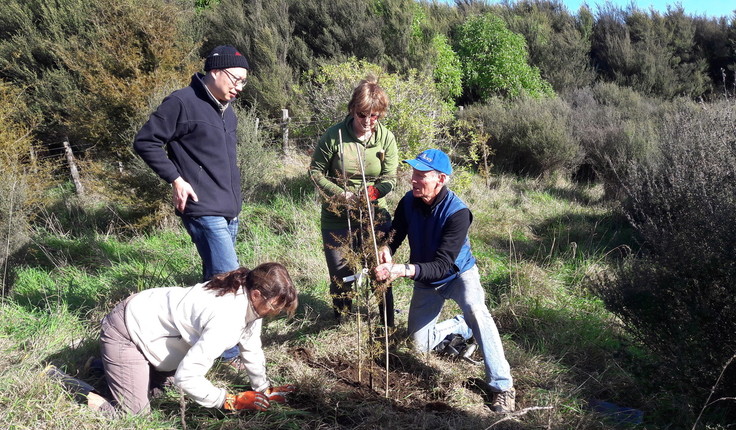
{"x": 375, "y": 248}
{"x": 73, "y": 168}
{"x": 285, "y": 129}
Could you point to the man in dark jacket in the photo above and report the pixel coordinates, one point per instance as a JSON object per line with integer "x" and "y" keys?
{"x": 436, "y": 223}
{"x": 190, "y": 142}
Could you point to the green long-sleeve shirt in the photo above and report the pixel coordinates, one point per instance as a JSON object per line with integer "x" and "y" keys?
{"x": 380, "y": 157}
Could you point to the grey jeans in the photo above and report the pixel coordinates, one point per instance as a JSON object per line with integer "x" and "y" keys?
{"x": 467, "y": 291}
{"x": 128, "y": 372}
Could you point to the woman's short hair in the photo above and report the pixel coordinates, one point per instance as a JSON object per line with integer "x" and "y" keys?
{"x": 271, "y": 279}
{"x": 369, "y": 97}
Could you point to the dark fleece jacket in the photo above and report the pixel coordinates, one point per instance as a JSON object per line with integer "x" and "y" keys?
{"x": 189, "y": 136}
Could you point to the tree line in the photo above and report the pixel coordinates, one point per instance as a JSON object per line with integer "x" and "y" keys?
{"x": 88, "y": 70}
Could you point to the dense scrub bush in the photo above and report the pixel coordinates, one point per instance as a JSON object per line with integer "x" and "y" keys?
{"x": 263, "y": 32}
{"x": 558, "y": 42}
{"x": 529, "y": 136}
{"x": 22, "y": 177}
{"x": 393, "y": 33}
{"x": 448, "y": 71}
{"x": 616, "y": 128}
{"x": 416, "y": 114}
{"x": 90, "y": 66}
{"x": 714, "y": 44}
{"x": 679, "y": 297}
{"x": 430, "y": 52}
{"x": 652, "y": 53}
{"x": 257, "y": 157}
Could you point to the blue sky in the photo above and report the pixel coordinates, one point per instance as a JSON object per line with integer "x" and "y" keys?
{"x": 709, "y": 8}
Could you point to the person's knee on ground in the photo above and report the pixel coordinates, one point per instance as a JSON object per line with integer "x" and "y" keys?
{"x": 421, "y": 340}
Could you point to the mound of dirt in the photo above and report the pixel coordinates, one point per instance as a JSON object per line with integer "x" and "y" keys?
{"x": 406, "y": 390}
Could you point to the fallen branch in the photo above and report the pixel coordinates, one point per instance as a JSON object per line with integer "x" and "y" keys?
{"x": 520, "y": 412}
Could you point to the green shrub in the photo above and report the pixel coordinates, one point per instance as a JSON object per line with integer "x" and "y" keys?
{"x": 679, "y": 297}
{"x": 447, "y": 71}
{"x": 528, "y": 135}
{"x": 430, "y": 49}
{"x": 494, "y": 60}
{"x": 655, "y": 54}
{"x": 263, "y": 33}
{"x": 558, "y": 41}
{"x": 256, "y": 157}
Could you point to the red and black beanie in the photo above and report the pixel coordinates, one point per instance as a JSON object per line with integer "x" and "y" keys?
{"x": 224, "y": 57}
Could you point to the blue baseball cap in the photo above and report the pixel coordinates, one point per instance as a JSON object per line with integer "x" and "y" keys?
{"x": 431, "y": 159}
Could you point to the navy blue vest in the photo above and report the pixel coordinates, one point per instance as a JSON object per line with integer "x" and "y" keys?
{"x": 425, "y": 234}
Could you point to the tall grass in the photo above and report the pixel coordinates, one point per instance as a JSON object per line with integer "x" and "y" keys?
{"x": 535, "y": 242}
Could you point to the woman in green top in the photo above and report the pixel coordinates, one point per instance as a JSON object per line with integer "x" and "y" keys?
{"x": 336, "y": 170}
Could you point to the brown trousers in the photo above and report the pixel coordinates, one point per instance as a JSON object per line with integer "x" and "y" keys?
{"x": 128, "y": 372}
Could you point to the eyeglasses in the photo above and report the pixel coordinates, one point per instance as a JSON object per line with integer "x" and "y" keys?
{"x": 363, "y": 115}
{"x": 234, "y": 80}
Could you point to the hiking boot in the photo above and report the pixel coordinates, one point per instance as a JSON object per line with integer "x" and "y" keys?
{"x": 453, "y": 345}
{"x": 504, "y": 402}
{"x": 93, "y": 367}
{"x": 78, "y": 388}
{"x": 469, "y": 351}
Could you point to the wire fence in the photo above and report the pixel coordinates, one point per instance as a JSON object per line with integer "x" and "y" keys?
{"x": 298, "y": 132}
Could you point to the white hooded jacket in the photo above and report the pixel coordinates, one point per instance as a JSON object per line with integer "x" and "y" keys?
{"x": 186, "y": 329}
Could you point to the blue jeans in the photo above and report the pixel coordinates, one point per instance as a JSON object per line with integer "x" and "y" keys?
{"x": 214, "y": 237}
{"x": 467, "y": 292}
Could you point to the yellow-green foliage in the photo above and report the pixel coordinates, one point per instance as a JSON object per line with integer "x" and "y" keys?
{"x": 416, "y": 114}
{"x": 15, "y": 134}
{"x": 137, "y": 46}
{"x": 23, "y": 166}
{"x": 494, "y": 60}
{"x": 90, "y": 66}
{"x": 22, "y": 176}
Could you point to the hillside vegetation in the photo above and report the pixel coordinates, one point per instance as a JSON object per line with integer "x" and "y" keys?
{"x": 596, "y": 149}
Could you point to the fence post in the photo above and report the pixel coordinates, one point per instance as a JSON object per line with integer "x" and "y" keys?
{"x": 285, "y": 129}
{"x": 73, "y": 167}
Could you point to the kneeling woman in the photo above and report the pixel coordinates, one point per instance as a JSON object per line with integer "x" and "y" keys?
{"x": 183, "y": 330}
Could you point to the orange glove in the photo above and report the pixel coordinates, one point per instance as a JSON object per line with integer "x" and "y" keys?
{"x": 373, "y": 193}
{"x": 278, "y": 394}
{"x": 246, "y": 400}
